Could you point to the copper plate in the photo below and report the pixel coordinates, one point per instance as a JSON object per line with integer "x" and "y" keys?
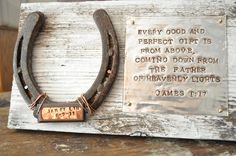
{"x": 72, "y": 113}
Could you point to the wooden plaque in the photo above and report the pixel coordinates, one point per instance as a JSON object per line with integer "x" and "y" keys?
{"x": 67, "y": 57}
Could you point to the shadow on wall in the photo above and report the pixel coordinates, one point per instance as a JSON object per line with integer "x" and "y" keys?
{"x": 10, "y": 9}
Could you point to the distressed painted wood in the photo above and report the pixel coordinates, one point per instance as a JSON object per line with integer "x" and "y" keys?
{"x": 66, "y": 59}
{"x": 18, "y": 143}
{"x": 15, "y": 143}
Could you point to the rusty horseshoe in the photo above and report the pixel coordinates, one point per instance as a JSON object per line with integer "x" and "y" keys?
{"x": 46, "y": 110}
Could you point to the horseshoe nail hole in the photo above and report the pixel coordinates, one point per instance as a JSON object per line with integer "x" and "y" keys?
{"x": 18, "y": 57}
{"x": 110, "y": 52}
{"x": 106, "y": 79}
{"x": 100, "y": 87}
{"x": 129, "y": 104}
{"x": 19, "y": 70}
{"x": 110, "y": 40}
{"x": 26, "y": 88}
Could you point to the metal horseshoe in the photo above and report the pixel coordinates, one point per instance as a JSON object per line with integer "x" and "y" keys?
{"x": 46, "y": 110}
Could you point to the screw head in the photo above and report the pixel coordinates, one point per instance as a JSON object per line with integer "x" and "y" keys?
{"x": 220, "y": 110}
{"x": 220, "y": 21}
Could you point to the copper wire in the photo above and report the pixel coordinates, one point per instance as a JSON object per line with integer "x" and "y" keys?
{"x": 85, "y": 105}
{"x": 34, "y": 103}
{"x": 41, "y": 104}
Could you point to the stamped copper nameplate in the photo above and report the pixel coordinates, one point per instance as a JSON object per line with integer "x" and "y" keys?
{"x": 72, "y": 113}
{"x": 176, "y": 65}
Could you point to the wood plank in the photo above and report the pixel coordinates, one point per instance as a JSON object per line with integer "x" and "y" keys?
{"x": 49, "y": 144}
{"x": 70, "y": 40}
{"x": 7, "y": 43}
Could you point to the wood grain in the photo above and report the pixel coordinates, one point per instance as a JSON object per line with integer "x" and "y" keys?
{"x": 15, "y": 143}
{"x": 66, "y": 59}
{"x": 7, "y": 42}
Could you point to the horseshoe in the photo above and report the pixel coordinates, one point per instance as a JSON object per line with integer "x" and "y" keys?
{"x": 46, "y": 110}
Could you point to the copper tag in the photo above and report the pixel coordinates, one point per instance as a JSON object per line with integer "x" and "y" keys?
{"x": 69, "y": 113}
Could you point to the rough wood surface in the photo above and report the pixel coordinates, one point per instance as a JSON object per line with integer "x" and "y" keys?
{"x": 50, "y": 144}
{"x": 66, "y": 59}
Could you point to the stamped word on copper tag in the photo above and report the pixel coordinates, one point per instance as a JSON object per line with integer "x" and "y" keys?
{"x": 72, "y": 113}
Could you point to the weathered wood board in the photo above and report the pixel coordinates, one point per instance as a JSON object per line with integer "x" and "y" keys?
{"x": 66, "y": 59}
